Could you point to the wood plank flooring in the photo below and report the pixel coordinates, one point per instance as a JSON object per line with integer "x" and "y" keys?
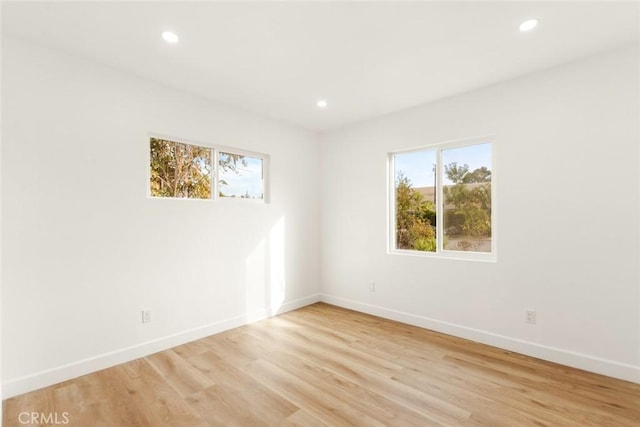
{"x": 327, "y": 366}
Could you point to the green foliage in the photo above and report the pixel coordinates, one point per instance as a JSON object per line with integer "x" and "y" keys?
{"x": 456, "y": 173}
{"x": 413, "y": 226}
{"x": 482, "y": 174}
{"x": 180, "y": 170}
{"x": 453, "y": 221}
{"x": 467, "y": 209}
{"x": 427, "y": 245}
{"x": 471, "y": 197}
{"x": 427, "y": 212}
{"x": 461, "y": 175}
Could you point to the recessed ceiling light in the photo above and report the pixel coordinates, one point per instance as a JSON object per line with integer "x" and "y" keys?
{"x": 322, "y": 103}
{"x": 528, "y": 25}
{"x": 170, "y": 37}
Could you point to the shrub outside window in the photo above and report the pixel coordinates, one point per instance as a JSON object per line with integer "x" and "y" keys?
{"x": 442, "y": 200}
{"x": 186, "y": 171}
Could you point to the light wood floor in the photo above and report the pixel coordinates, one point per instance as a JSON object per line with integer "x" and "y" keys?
{"x": 326, "y": 366}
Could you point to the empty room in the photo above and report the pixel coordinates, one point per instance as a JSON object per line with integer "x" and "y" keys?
{"x": 320, "y": 213}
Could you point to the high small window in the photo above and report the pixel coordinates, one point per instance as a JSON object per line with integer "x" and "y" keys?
{"x": 183, "y": 170}
{"x": 442, "y": 200}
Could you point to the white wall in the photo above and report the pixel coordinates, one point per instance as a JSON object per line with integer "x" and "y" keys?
{"x": 1, "y": 391}
{"x": 568, "y": 217}
{"x": 85, "y": 249}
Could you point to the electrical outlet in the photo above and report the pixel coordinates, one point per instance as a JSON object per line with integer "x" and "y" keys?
{"x": 530, "y": 316}
{"x": 146, "y": 315}
{"x": 372, "y": 287}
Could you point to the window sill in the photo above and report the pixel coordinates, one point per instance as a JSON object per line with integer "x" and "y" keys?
{"x": 449, "y": 255}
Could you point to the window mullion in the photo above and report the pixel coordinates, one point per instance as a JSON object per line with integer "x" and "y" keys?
{"x": 392, "y": 203}
{"x": 215, "y": 172}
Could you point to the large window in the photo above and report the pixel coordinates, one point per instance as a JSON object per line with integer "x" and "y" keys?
{"x": 442, "y": 200}
{"x": 183, "y": 170}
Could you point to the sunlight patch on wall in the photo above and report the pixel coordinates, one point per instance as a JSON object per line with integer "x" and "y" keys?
{"x": 255, "y": 284}
{"x": 265, "y": 288}
{"x": 276, "y": 258}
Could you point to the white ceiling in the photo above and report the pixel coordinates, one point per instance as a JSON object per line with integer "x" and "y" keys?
{"x": 366, "y": 59}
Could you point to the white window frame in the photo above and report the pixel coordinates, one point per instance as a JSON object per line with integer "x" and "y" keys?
{"x": 440, "y": 251}
{"x": 215, "y": 150}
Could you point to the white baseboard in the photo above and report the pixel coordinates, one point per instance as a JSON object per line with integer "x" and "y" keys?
{"x": 27, "y": 383}
{"x": 564, "y": 357}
